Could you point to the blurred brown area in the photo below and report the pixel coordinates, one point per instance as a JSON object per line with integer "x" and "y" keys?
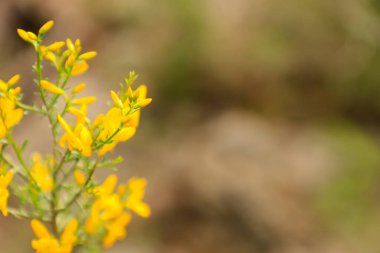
{"x": 264, "y": 131}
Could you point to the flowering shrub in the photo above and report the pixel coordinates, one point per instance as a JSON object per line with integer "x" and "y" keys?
{"x": 58, "y": 192}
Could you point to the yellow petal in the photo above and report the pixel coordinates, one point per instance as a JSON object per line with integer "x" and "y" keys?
{"x": 106, "y": 148}
{"x": 51, "y": 87}
{"x": 135, "y": 119}
{"x": 14, "y": 118}
{"x": 80, "y": 68}
{"x": 14, "y": 79}
{"x": 78, "y": 45}
{"x": 143, "y": 102}
{"x": 79, "y": 177}
{"x": 23, "y": 35}
{"x": 39, "y": 229}
{"x": 70, "y": 45}
{"x": 3, "y": 130}
{"x": 51, "y": 57}
{"x": 141, "y": 91}
{"x": 70, "y": 61}
{"x": 7, "y": 178}
{"x": 125, "y": 134}
{"x": 108, "y": 241}
{"x": 137, "y": 184}
{"x": 46, "y": 27}
{"x": 16, "y": 91}
{"x": 91, "y": 225}
{"x": 142, "y": 209}
{"x": 32, "y": 36}
{"x": 88, "y": 55}
{"x": 98, "y": 120}
{"x": 78, "y": 88}
{"x": 84, "y": 100}
{"x": 64, "y": 124}
{"x": 56, "y": 46}
{"x": 129, "y": 92}
{"x": 3, "y": 86}
{"x": 108, "y": 185}
{"x": 4, "y": 202}
{"x": 116, "y": 99}
{"x": 76, "y": 112}
{"x": 68, "y": 235}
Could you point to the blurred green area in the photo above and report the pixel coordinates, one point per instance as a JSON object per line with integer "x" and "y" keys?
{"x": 349, "y": 198}
{"x": 310, "y": 63}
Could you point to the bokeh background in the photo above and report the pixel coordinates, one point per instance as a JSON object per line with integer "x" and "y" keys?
{"x": 264, "y": 132}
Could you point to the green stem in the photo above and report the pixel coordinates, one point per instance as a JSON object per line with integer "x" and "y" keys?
{"x": 19, "y": 157}
{"x": 66, "y": 175}
{"x": 55, "y": 97}
{"x": 30, "y": 108}
{"x": 48, "y": 109}
{"x": 24, "y": 214}
{"x": 50, "y": 115}
{"x": 11, "y": 165}
{"x": 55, "y": 193}
{"x": 78, "y": 194}
{"x": 108, "y": 139}
{"x": 59, "y": 166}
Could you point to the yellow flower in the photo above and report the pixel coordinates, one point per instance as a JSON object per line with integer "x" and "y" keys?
{"x": 135, "y": 99}
{"x": 5, "y": 180}
{"x": 135, "y": 191}
{"x": 120, "y": 122}
{"x": 108, "y": 212}
{"x": 41, "y": 174}
{"x": 79, "y": 139}
{"x": 68, "y": 237}
{"x": 101, "y": 192}
{"x": 108, "y": 125}
{"x": 116, "y": 230}
{"x": 9, "y": 115}
{"x": 138, "y": 97}
{"x": 47, "y": 243}
{"x": 107, "y": 187}
{"x": 80, "y": 68}
{"x": 79, "y": 177}
{"x": 13, "y": 80}
{"x": 111, "y": 206}
{"x": 23, "y": 35}
{"x": 76, "y": 62}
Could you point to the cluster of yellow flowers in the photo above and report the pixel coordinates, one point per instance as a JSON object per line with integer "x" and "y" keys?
{"x": 109, "y": 213}
{"x": 54, "y": 183}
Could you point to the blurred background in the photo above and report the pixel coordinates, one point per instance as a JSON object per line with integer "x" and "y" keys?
{"x": 263, "y": 135}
